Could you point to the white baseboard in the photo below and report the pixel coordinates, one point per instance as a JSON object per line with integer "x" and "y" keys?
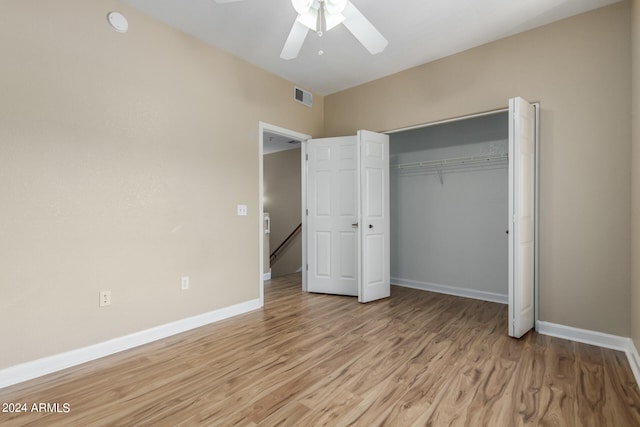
{"x": 37, "y": 368}
{"x": 585, "y": 336}
{"x": 634, "y": 360}
{"x": 599, "y": 339}
{"x": 267, "y": 275}
{"x": 452, "y": 290}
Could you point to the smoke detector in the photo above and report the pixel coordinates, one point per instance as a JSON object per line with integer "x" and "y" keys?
{"x": 118, "y": 22}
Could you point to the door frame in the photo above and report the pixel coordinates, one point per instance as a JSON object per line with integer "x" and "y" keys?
{"x": 536, "y": 106}
{"x": 536, "y": 224}
{"x": 262, "y": 128}
{"x": 303, "y": 212}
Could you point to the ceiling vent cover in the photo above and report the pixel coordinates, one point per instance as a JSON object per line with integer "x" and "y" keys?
{"x": 302, "y": 96}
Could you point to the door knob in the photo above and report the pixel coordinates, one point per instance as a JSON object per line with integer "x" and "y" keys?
{"x": 370, "y": 225}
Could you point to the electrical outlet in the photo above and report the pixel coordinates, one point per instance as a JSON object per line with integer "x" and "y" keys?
{"x": 242, "y": 210}
{"x": 184, "y": 283}
{"x": 105, "y": 298}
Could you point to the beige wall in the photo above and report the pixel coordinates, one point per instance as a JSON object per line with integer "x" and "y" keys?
{"x": 635, "y": 186}
{"x": 579, "y": 70}
{"x": 282, "y": 199}
{"x": 122, "y": 159}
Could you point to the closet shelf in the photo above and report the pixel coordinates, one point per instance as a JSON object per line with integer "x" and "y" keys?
{"x": 457, "y": 163}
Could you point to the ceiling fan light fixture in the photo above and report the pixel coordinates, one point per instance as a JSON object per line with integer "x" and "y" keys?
{"x": 334, "y": 7}
{"x": 309, "y": 19}
{"x": 302, "y": 6}
{"x": 333, "y": 20}
{"x": 312, "y": 13}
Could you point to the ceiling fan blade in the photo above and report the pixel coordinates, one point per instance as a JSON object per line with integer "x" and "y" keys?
{"x": 363, "y": 30}
{"x": 294, "y": 41}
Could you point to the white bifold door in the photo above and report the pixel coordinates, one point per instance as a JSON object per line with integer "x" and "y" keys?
{"x": 346, "y": 217}
{"x": 522, "y": 220}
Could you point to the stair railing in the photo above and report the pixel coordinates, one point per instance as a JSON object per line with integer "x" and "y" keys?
{"x": 274, "y": 254}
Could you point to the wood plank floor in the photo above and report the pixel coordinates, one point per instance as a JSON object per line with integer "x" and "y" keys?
{"x": 415, "y": 359}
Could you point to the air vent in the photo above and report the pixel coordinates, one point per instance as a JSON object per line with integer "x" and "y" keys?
{"x": 302, "y": 96}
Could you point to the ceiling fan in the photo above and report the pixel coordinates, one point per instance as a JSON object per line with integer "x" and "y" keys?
{"x": 318, "y": 14}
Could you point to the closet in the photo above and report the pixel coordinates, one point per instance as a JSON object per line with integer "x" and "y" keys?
{"x": 449, "y": 207}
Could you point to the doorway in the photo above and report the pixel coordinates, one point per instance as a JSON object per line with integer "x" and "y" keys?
{"x": 283, "y": 136}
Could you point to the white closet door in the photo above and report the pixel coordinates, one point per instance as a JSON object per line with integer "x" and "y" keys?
{"x": 375, "y": 282}
{"x": 332, "y": 203}
{"x": 347, "y": 221}
{"x": 522, "y": 216}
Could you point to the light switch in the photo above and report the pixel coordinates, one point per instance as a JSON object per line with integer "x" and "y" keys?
{"x": 242, "y": 210}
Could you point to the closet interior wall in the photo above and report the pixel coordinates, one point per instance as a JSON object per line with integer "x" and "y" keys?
{"x": 449, "y": 203}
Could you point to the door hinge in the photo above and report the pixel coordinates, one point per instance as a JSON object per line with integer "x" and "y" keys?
{"x": 307, "y": 156}
{"x": 307, "y": 212}
{"x": 307, "y": 267}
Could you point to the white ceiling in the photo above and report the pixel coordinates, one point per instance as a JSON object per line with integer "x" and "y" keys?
{"x": 418, "y": 31}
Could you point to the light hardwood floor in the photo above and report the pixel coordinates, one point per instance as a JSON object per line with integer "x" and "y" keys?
{"x": 415, "y": 359}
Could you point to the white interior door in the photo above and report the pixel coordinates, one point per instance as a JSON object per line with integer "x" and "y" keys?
{"x": 347, "y": 216}
{"x": 332, "y": 215}
{"x": 522, "y": 167}
{"x": 375, "y": 280}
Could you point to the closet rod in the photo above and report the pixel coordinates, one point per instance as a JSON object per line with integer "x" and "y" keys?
{"x": 459, "y": 161}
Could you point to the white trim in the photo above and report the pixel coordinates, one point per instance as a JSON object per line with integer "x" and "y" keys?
{"x": 267, "y": 275}
{"x": 536, "y": 225}
{"x": 451, "y": 290}
{"x": 37, "y": 368}
{"x": 303, "y": 211}
{"x": 634, "y": 360}
{"x": 599, "y": 339}
{"x": 585, "y": 336}
{"x": 261, "y": 129}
